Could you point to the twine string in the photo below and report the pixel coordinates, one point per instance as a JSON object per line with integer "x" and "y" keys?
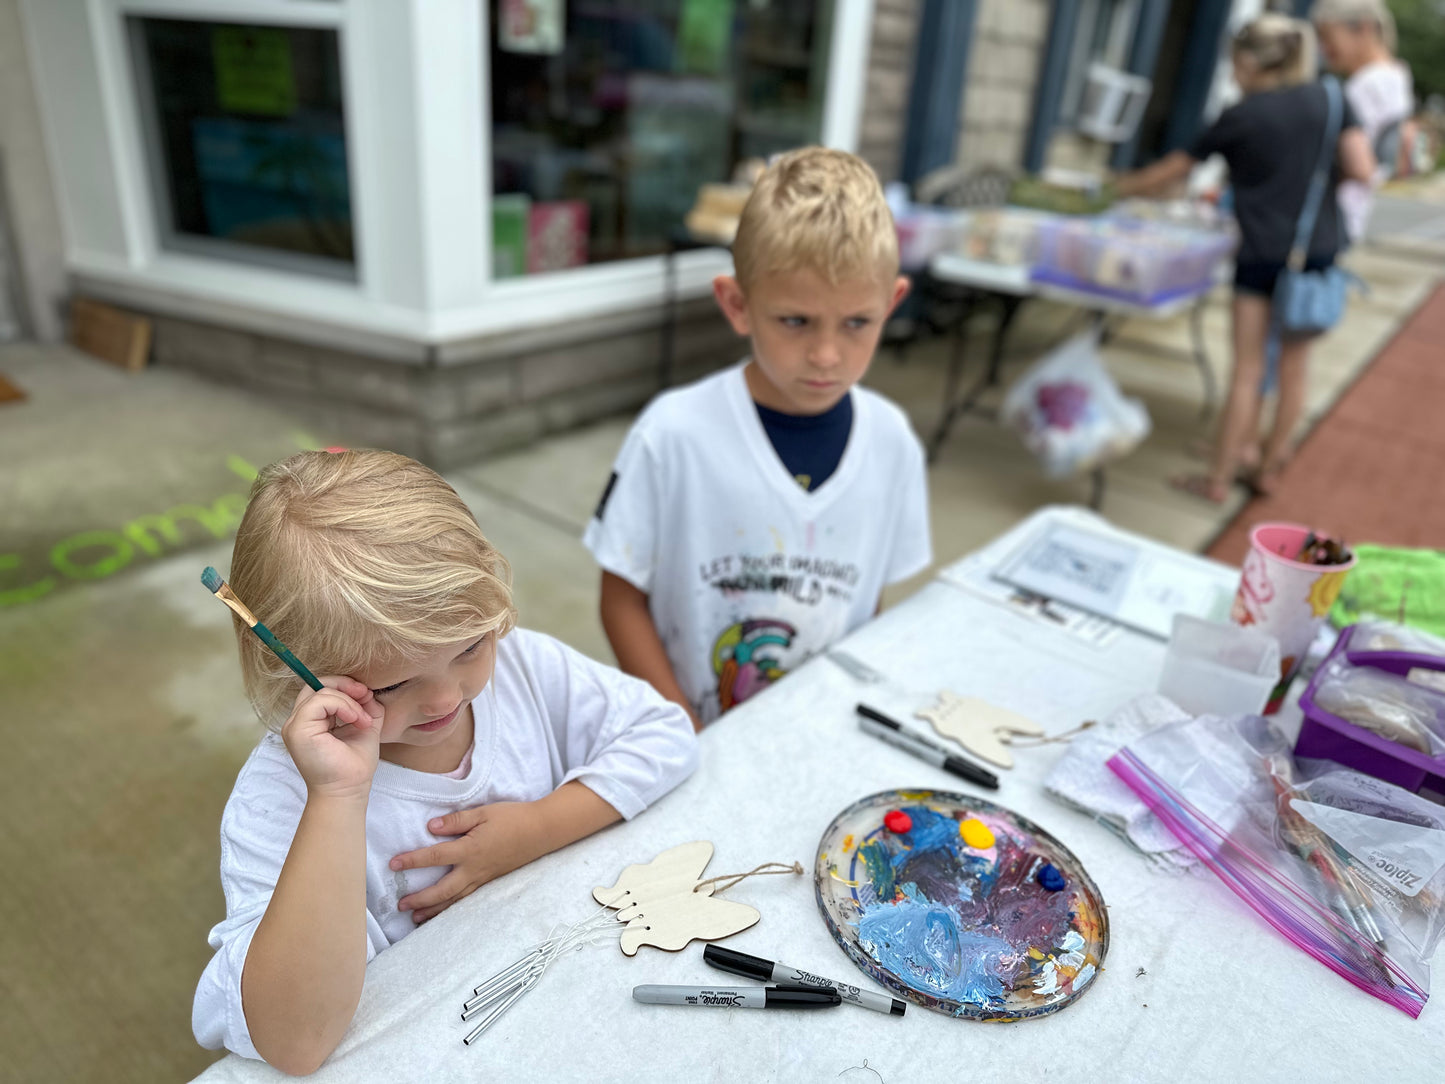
{"x": 1068, "y": 735}
{"x": 758, "y": 871}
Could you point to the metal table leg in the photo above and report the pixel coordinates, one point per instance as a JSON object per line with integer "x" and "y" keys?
{"x": 1011, "y": 306}
{"x": 1201, "y": 356}
{"x": 969, "y": 401}
{"x": 953, "y": 405}
{"x": 669, "y": 317}
{"x": 1097, "y": 482}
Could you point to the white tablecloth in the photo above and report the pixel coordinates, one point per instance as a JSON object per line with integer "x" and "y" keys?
{"x": 1195, "y": 985}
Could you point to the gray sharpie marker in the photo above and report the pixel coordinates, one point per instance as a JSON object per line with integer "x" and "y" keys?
{"x": 740, "y": 997}
{"x": 754, "y": 967}
{"x": 895, "y": 735}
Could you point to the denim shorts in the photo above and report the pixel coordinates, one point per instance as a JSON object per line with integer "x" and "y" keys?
{"x": 1258, "y": 277}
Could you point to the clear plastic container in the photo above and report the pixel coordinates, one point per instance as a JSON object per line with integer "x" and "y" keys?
{"x": 1218, "y": 668}
{"x": 1128, "y": 258}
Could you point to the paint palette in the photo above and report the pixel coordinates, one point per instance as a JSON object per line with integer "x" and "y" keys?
{"x": 953, "y": 920}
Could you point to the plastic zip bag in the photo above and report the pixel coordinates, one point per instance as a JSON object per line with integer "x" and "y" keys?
{"x": 1070, "y": 413}
{"x": 1348, "y": 868}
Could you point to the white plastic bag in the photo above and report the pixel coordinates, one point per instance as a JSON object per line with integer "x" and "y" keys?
{"x": 1070, "y": 412}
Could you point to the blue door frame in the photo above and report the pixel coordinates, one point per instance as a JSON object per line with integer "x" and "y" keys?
{"x": 1143, "y": 59}
{"x": 940, "y": 70}
{"x": 1063, "y": 22}
{"x": 1196, "y": 74}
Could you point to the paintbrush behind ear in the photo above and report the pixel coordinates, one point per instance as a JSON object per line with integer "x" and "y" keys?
{"x": 218, "y": 587}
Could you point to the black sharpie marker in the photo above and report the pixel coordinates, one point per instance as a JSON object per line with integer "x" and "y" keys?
{"x": 896, "y": 734}
{"x": 740, "y": 997}
{"x": 754, "y": 967}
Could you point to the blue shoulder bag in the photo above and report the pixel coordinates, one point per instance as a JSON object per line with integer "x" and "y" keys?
{"x": 1310, "y": 302}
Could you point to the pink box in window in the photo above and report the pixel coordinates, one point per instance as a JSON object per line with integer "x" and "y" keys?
{"x": 556, "y": 236}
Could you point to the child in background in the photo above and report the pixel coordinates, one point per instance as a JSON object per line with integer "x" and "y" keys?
{"x": 754, "y": 517}
{"x": 370, "y": 567}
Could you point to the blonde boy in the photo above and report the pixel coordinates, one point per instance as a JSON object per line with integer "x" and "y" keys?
{"x": 374, "y": 572}
{"x": 753, "y": 518}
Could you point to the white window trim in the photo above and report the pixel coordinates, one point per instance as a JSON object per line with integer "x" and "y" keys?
{"x": 422, "y": 276}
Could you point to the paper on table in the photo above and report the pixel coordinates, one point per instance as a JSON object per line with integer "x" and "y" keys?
{"x": 1082, "y": 779}
{"x": 1113, "y": 578}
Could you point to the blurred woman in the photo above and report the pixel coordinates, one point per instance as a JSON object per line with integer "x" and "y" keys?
{"x": 1357, "y": 38}
{"x": 1271, "y": 142}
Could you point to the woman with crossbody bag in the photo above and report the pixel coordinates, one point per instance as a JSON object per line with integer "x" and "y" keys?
{"x": 1288, "y": 143}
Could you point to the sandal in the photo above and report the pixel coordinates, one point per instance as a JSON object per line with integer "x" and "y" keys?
{"x": 1204, "y": 449}
{"x": 1265, "y": 481}
{"x": 1201, "y": 486}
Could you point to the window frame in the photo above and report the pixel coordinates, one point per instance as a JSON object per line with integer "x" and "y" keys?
{"x": 168, "y": 237}
{"x": 419, "y": 163}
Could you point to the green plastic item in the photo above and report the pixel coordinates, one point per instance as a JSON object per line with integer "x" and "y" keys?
{"x": 509, "y": 234}
{"x": 1041, "y": 195}
{"x": 1392, "y": 584}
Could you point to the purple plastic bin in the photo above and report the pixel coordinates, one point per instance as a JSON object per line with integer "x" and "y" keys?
{"x": 1327, "y": 736}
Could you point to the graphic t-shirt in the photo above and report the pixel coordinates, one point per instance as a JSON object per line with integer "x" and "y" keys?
{"x": 746, "y": 573}
{"x": 810, "y": 445}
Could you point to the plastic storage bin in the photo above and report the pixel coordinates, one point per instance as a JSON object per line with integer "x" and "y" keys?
{"x": 1214, "y": 668}
{"x": 1324, "y": 734}
{"x": 1145, "y": 262}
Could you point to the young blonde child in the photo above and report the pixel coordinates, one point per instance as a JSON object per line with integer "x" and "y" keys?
{"x": 753, "y": 518}
{"x": 438, "y": 719}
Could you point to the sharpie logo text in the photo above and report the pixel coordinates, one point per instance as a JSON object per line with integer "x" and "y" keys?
{"x": 719, "y": 999}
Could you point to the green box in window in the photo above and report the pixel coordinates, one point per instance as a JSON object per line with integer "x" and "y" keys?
{"x": 510, "y": 216}
{"x": 253, "y": 70}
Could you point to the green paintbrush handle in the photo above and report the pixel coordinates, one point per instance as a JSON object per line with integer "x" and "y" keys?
{"x": 284, "y": 654}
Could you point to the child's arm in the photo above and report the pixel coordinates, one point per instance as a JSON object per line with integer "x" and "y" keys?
{"x": 498, "y": 838}
{"x": 630, "y": 630}
{"x": 304, "y": 968}
{"x": 621, "y": 746}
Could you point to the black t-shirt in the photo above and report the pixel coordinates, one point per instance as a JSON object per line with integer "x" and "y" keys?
{"x": 810, "y": 445}
{"x": 1271, "y": 141}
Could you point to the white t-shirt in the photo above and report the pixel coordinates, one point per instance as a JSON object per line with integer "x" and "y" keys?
{"x": 548, "y": 716}
{"x": 747, "y": 573}
{"x": 1380, "y": 95}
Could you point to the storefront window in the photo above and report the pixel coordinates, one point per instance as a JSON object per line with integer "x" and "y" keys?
{"x": 247, "y": 141}
{"x": 607, "y": 115}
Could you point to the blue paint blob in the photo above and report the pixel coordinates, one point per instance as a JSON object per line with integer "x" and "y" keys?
{"x": 921, "y": 943}
{"x": 1050, "y": 878}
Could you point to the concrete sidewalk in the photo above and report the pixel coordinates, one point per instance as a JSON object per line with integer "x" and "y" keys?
{"x": 124, "y": 715}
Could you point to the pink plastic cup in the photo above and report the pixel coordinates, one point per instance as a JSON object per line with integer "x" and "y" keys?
{"x": 1284, "y": 597}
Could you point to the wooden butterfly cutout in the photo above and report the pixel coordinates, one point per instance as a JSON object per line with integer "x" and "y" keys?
{"x": 658, "y": 903}
{"x": 978, "y": 726}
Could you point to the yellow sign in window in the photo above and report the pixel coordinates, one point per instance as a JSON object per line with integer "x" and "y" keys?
{"x": 253, "y": 70}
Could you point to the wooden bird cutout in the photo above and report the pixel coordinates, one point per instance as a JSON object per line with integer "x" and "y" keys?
{"x": 657, "y": 901}
{"x": 980, "y": 727}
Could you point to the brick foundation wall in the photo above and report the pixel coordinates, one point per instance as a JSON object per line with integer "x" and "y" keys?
{"x": 449, "y": 415}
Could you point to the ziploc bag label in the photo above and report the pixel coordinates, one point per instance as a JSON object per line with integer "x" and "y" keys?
{"x": 1405, "y": 857}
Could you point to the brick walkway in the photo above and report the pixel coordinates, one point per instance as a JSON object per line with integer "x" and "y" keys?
{"x": 1373, "y": 469}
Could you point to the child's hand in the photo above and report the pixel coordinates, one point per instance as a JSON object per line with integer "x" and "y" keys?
{"x": 334, "y": 736}
{"x": 494, "y": 839}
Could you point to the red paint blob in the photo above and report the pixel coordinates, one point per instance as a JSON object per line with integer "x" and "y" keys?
{"x": 897, "y": 821}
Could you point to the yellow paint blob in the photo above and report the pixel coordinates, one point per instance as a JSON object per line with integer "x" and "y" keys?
{"x": 976, "y": 834}
{"x": 847, "y": 844}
